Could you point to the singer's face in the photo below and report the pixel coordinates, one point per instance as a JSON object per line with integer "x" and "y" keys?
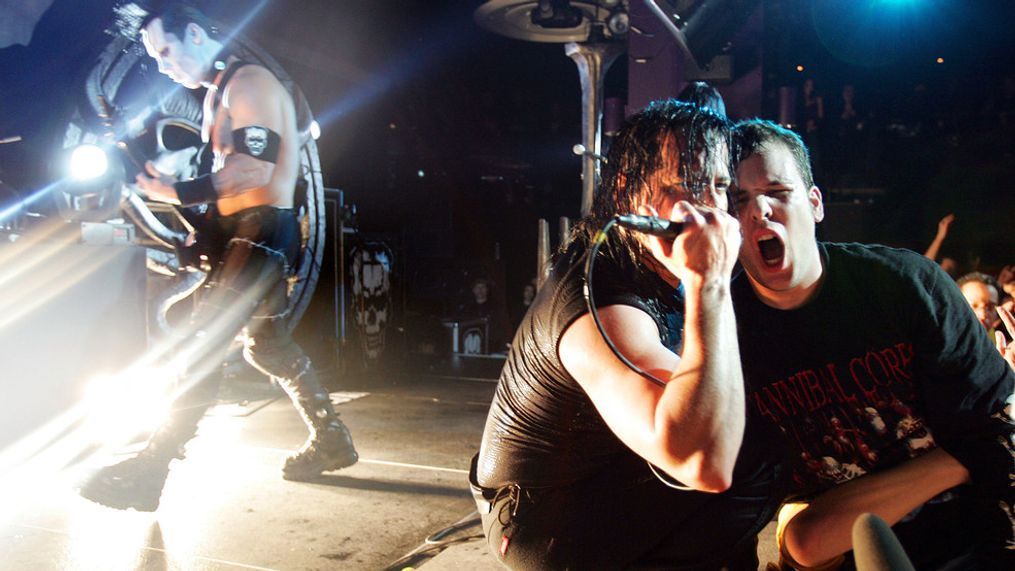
{"x": 667, "y": 187}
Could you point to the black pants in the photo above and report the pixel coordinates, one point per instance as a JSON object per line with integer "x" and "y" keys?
{"x": 626, "y": 518}
{"x": 246, "y": 292}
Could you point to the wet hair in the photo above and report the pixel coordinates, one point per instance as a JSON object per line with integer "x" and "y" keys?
{"x": 644, "y": 146}
{"x": 985, "y": 279}
{"x": 175, "y": 16}
{"x": 703, "y": 95}
{"x": 751, "y": 135}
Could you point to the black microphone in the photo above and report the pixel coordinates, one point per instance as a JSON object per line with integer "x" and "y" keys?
{"x": 875, "y": 547}
{"x": 650, "y": 225}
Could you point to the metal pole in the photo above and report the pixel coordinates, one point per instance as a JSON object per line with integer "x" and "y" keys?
{"x": 593, "y": 60}
{"x": 542, "y": 251}
{"x": 340, "y": 254}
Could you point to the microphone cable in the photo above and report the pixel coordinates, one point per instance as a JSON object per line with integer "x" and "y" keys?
{"x": 590, "y": 261}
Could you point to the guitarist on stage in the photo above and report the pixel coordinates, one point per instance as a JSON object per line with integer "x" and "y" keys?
{"x": 249, "y": 122}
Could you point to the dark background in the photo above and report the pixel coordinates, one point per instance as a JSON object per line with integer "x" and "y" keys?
{"x": 410, "y": 88}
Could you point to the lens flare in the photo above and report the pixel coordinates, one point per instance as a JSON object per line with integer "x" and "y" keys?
{"x": 88, "y": 162}
{"x": 122, "y": 406}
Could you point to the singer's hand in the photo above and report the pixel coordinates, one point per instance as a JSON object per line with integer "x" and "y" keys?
{"x": 156, "y": 185}
{"x": 705, "y": 252}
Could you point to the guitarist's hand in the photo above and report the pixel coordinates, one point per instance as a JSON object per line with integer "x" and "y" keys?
{"x": 157, "y": 186}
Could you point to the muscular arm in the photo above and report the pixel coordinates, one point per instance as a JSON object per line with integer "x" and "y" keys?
{"x": 823, "y": 529}
{"x": 253, "y": 98}
{"x": 693, "y": 426}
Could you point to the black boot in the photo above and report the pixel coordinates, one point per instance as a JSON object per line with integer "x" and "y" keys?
{"x": 329, "y": 446}
{"x": 137, "y": 482}
{"x": 327, "y": 449}
{"x": 133, "y": 483}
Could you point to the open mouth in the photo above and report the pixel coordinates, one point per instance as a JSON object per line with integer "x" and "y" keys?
{"x": 771, "y": 249}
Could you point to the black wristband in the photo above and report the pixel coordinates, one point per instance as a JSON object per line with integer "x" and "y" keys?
{"x": 199, "y": 190}
{"x": 259, "y": 142}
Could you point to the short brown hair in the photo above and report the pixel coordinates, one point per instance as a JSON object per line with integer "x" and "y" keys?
{"x": 751, "y": 135}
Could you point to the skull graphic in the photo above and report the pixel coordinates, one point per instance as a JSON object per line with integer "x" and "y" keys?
{"x": 256, "y": 140}
{"x": 371, "y": 295}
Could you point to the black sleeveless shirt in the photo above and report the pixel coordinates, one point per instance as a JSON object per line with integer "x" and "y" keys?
{"x": 542, "y": 429}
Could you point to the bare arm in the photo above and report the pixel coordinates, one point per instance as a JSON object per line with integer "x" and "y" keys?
{"x": 823, "y": 529}
{"x": 693, "y": 426}
{"x": 942, "y": 232}
{"x": 253, "y": 98}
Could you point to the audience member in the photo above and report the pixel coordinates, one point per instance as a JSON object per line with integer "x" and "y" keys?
{"x": 521, "y": 305}
{"x": 1006, "y": 279}
{"x": 868, "y": 361}
{"x": 981, "y": 293}
{"x": 812, "y": 118}
{"x": 482, "y": 305}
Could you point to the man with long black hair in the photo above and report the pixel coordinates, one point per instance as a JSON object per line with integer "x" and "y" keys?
{"x": 588, "y": 463}
{"x": 252, "y": 231}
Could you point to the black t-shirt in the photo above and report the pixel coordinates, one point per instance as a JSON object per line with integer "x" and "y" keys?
{"x": 885, "y": 362}
{"x": 543, "y": 430}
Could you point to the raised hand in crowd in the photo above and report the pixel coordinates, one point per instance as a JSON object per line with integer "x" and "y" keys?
{"x": 942, "y": 232}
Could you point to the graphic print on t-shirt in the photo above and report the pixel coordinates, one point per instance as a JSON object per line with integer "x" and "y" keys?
{"x": 846, "y": 417}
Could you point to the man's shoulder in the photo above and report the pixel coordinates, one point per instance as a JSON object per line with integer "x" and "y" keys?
{"x": 877, "y": 258}
{"x": 251, "y": 71}
{"x": 252, "y": 79}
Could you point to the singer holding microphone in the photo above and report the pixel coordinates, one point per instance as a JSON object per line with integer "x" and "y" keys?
{"x": 587, "y": 463}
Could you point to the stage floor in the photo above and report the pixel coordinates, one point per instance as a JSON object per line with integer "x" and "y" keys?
{"x": 226, "y": 506}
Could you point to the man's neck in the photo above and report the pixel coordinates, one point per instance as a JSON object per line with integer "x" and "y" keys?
{"x": 218, "y": 62}
{"x": 797, "y": 295}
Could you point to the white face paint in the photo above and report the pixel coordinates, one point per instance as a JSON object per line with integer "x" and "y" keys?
{"x": 178, "y": 58}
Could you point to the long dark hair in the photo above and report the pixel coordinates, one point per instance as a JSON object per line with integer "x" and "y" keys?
{"x": 640, "y": 149}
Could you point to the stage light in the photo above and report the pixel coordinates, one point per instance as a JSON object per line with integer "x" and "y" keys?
{"x": 799, "y": 68}
{"x": 88, "y": 162}
{"x": 420, "y": 173}
{"x": 315, "y": 130}
{"x": 940, "y": 60}
{"x": 119, "y": 407}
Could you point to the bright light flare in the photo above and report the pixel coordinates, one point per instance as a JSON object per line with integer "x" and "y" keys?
{"x": 122, "y": 406}
{"x": 315, "y": 130}
{"x": 88, "y": 162}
